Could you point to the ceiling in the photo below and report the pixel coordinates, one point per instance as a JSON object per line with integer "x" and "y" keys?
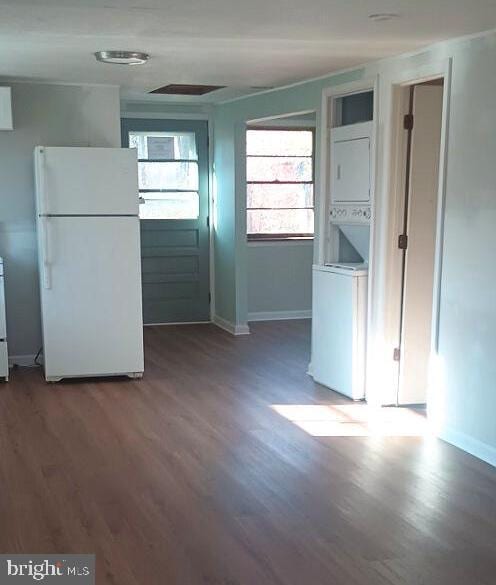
{"x": 242, "y": 44}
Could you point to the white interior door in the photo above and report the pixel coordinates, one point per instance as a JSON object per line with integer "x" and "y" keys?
{"x": 421, "y": 230}
{"x": 86, "y": 181}
{"x": 92, "y": 316}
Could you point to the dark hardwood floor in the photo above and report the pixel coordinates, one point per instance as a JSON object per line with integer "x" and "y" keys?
{"x": 227, "y": 465}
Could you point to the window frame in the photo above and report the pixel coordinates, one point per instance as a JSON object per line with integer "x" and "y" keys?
{"x": 142, "y": 192}
{"x": 282, "y": 236}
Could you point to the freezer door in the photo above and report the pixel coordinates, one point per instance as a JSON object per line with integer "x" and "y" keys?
{"x": 91, "y": 296}
{"x": 86, "y": 181}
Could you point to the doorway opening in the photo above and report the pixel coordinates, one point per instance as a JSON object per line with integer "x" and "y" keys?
{"x": 280, "y": 197}
{"x": 174, "y": 217}
{"x": 341, "y": 272}
{"x": 422, "y": 124}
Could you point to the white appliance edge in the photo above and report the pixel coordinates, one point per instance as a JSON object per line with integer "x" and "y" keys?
{"x": 339, "y": 329}
{"x": 4, "y": 360}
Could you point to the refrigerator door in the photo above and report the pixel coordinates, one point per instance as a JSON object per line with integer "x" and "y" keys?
{"x": 91, "y": 296}
{"x": 86, "y": 181}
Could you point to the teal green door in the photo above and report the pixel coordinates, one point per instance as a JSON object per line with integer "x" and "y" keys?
{"x": 173, "y": 183}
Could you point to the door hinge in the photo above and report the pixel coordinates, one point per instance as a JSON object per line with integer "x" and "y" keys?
{"x": 209, "y": 298}
{"x": 396, "y": 354}
{"x": 408, "y": 122}
{"x": 208, "y": 221}
{"x": 402, "y": 241}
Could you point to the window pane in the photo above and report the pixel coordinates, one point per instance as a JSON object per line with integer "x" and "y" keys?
{"x": 164, "y": 145}
{"x": 279, "y": 142}
{"x": 170, "y": 206}
{"x": 278, "y": 221}
{"x": 278, "y": 169}
{"x": 168, "y": 175}
{"x": 271, "y": 195}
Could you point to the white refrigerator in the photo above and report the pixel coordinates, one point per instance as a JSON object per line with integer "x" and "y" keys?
{"x": 89, "y": 261}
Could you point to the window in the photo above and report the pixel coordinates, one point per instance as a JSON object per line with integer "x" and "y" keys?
{"x": 280, "y": 183}
{"x": 167, "y": 174}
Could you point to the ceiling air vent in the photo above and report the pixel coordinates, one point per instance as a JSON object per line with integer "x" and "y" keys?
{"x": 182, "y": 89}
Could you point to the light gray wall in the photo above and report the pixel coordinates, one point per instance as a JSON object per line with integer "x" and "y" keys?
{"x": 50, "y": 115}
{"x": 279, "y": 277}
{"x": 163, "y": 109}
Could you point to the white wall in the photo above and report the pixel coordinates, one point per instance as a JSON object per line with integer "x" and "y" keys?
{"x": 462, "y": 397}
{"x": 51, "y": 115}
{"x": 463, "y": 393}
{"x": 279, "y": 280}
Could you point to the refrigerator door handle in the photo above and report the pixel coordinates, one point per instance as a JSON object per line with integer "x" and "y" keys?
{"x": 45, "y": 253}
{"x": 41, "y": 181}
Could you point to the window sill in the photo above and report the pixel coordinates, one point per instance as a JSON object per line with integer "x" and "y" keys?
{"x": 277, "y": 237}
{"x": 281, "y": 241}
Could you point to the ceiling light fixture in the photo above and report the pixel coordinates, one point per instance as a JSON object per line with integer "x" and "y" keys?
{"x": 122, "y": 57}
{"x": 383, "y": 16}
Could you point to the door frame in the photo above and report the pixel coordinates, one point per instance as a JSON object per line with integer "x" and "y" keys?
{"x": 147, "y": 116}
{"x": 399, "y": 88}
{"x": 327, "y": 119}
{"x": 149, "y": 111}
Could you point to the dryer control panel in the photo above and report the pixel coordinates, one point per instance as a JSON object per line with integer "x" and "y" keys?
{"x": 350, "y": 214}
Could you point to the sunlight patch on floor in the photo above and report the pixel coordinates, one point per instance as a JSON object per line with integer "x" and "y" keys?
{"x": 354, "y": 420}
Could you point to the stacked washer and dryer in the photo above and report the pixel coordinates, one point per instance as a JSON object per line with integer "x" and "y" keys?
{"x": 339, "y": 328}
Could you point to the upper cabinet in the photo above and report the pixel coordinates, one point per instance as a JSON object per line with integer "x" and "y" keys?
{"x": 6, "y": 109}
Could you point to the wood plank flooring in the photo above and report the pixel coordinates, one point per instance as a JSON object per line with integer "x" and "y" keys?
{"x": 191, "y": 476}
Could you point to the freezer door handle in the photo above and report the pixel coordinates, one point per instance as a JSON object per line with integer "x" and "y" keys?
{"x": 45, "y": 253}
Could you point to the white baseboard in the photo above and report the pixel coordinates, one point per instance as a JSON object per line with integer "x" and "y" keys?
{"x": 466, "y": 443}
{"x": 280, "y": 315}
{"x": 177, "y": 323}
{"x": 230, "y": 327}
{"x": 25, "y": 360}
